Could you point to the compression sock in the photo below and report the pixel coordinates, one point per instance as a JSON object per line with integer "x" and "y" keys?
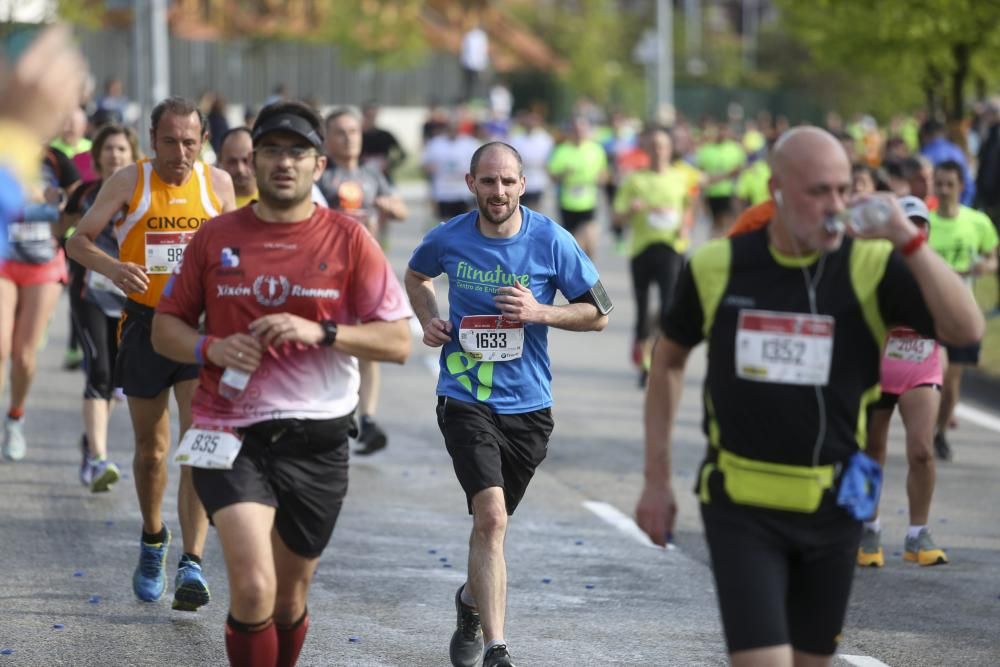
{"x": 251, "y": 645}
{"x": 290, "y": 640}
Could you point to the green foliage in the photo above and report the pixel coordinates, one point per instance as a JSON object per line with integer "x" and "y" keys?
{"x": 887, "y": 53}
{"x": 386, "y": 33}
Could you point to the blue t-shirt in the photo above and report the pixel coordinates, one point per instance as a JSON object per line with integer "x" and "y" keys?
{"x": 542, "y": 256}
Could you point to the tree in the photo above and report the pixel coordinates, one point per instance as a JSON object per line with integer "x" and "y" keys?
{"x": 884, "y": 51}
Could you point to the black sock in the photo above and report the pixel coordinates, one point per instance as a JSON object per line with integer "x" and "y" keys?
{"x": 155, "y": 538}
{"x": 191, "y": 557}
{"x": 367, "y": 421}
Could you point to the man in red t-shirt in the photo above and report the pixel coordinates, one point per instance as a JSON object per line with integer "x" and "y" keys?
{"x": 292, "y": 294}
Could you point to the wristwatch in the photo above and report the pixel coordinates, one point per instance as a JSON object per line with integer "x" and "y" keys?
{"x": 329, "y": 333}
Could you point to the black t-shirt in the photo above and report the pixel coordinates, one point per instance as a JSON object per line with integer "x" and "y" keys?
{"x": 780, "y": 422}
{"x": 58, "y": 170}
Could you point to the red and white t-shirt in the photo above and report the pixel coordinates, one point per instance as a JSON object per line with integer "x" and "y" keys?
{"x": 238, "y": 268}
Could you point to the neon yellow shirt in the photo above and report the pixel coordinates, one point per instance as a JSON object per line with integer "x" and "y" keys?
{"x": 665, "y": 198}
{"x": 752, "y": 183}
{"x": 580, "y": 168}
{"x": 81, "y": 146}
{"x": 960, "y": 240}
{"x": 720, "y": 158}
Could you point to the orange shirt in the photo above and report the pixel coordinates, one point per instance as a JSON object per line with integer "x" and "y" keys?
{"x": 161, "y": 220}
{"x": 753, "y": 218}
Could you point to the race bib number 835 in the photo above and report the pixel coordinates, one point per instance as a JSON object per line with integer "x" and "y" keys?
{"x": 207, "y": 447}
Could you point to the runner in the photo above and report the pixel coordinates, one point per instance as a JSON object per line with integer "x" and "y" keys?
{"x": 794, "y": 315}
{"x": 235, "y": 155}
{"x": 504, "y": 263}
{"x": 363, "y": 193}
{"x": 653, "y": 203}
{"x": 96, "y": 304}
{"x": 967, "y": 240}
{"x": 443, "y": 162}
{"x": 534, "y": 143}
{"x": 32, "y": 272}
{"x": 578, "y": 166}
{"x": 165, "y": 199}
{"x": 911, "y": 377}
{"x": 293, "y": 331}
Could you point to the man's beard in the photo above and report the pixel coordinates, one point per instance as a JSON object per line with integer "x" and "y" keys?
{"x": 484, "y": 210}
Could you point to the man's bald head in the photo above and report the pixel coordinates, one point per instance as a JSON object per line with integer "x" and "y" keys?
{"x": 810, "y": 180}
{"x": 801, "y": 148}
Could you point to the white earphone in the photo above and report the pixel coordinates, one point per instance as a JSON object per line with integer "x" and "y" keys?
{"x": 777, "y": 197}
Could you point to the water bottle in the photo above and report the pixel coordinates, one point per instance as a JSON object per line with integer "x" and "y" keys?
{"x": 233, "y": 382}
{"x": 869, "y": 216}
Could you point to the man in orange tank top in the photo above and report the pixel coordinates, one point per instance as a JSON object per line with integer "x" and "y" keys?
{"x": 164, "y": 201}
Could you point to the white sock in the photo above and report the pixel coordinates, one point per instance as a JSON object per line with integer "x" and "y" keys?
{"x": 875, "y": 525}
{"x": 492, "y": 643}
{"x": 466, "y": 598}
{"x": 913, "y": 532}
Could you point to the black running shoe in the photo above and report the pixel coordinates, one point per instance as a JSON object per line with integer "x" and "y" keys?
{"x": 941, "y": 447}
{"x": 498, "y": 656}
{"x": 372, "y": 439}
{"x": 467, "y": 642}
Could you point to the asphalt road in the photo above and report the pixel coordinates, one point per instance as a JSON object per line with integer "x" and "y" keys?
{"x": 583, "y": 589}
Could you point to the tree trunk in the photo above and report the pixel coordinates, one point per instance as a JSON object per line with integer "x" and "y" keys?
{"x": 962, "y": 54}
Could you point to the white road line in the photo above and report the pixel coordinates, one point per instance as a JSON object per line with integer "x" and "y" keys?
{"x": 978, "y": 417}
{"x": 621, "y": 522}
{"x": 863, "y": 661}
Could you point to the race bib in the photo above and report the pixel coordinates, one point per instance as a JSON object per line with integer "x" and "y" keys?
{"x": 165, "y": 250}
{"x": 491, "y": 337}
{"x": 28, "y": 232}
{"x": 101, "y": 283}
{"x": 912, "y": 349}
{"x": 663, "y": 219}
{"x": 208, "y": 447}
{"x": 784, "y": 348}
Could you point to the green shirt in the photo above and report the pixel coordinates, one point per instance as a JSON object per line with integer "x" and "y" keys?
{"x": 960, "y": 240}
{"x": 580, "y": 167}
{"x": 752, "y": 183}
{"x": 720, "y": 158}
{"x": 664, "y": 196}
{"x": 81, "y": 146}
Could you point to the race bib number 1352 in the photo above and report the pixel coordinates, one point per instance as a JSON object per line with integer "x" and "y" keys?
{"x": 784, "y": 348}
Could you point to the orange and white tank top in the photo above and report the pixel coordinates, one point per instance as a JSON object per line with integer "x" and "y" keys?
{"x": 161, "y": 220}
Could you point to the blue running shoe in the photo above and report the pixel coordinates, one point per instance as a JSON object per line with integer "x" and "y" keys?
{"x": 190, "y": 588}
{"x": 149, "y": 579}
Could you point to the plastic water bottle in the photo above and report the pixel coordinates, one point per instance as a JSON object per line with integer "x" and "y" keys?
{"x": 233, "y": 382}
{"x": 869, "y": 216}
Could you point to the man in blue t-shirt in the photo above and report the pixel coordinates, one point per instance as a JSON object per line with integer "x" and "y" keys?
{"x": 504, "y": 264}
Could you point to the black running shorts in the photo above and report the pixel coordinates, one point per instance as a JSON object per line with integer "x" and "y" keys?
{"x": 298, "y": 467}
{"x": 489, "y": 449}
{"x": 782, "y": 577}
{"x": 139, "y": 370}
{"x": 966, "y": 354}
{"x": 573, "y": 220}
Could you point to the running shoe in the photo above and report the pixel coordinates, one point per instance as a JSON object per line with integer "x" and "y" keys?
{"x": 73, "y": 359}
{"x": 190, "y": 587}
{"x": 941, "y": 447}
{"x": 921, "y": 549}
{"x": 14, "y": 445}
{"x": 467, "y": 641}
{"x": 498, "y": 656}
{"x": 103, "y": 475}
{"x": 86, "y": 469}
{"x": 150, "y": 579}
{"x": 870, "y": 551}
{"x": 371, "y": 439}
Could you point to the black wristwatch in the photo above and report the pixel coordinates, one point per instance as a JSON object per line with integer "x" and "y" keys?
{"x": 329, "y": 333}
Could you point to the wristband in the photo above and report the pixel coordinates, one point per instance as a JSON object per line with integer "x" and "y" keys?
{"x": 913, "y": 244}
{"x": 201, "y": 349}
